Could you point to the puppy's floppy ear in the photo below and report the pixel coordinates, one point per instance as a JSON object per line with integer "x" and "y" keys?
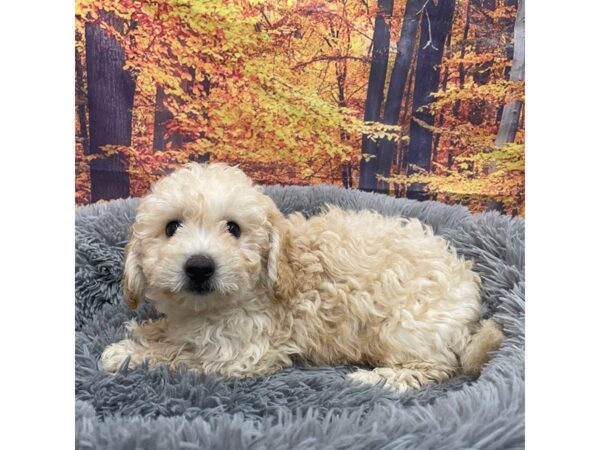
{"x": 274, "y": 250}
{"x": 134, "y": 282}
{"x": 279, "y": 277}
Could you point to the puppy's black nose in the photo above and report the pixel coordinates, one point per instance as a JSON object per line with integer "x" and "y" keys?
{"x": 199, "y": 268}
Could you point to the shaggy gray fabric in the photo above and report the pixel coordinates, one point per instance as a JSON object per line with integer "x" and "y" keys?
{"x": 302, "y": 407}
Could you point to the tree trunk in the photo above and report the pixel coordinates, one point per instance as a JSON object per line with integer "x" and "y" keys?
{"x": 379, "y": 62}
{"x": 482, "y": 72}
{"x": 177, "y": 139}
{"x": 393, "y": 102}
{"x": 438, "y": 19}
{"x": 461, "y": 65}
{"x": 341, "y": 71}
{"x": 161, "y": 116}
{"x": 405, "y": 113}
{"x": 204, "y": 157}
{"x": 438, "y": 136}
{"x": 347, "y": 174}
{"x": 110, "y": 101}
{"x": 462, "y": 73}
{"x": 81, "y": 103}
{"x": 512, "y": 111}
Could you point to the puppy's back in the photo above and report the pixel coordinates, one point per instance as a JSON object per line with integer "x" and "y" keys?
{"x": 385, "y": 287}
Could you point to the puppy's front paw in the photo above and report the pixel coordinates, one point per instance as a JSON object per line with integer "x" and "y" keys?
{"x": 115, "y": 355}
{"x": 365, "y": 376}
{"x": 385, "y": 376}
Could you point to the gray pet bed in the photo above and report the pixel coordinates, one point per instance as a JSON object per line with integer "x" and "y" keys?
{"x": 302, "y": 407}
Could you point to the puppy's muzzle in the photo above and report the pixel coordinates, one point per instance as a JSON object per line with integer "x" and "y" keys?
{"x": 199, "y": 270}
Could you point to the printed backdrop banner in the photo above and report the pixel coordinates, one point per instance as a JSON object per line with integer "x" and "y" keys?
{"x": 412, "y": 98}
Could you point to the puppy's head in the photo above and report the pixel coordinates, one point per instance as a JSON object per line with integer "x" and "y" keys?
{"x": 203, "y": 234}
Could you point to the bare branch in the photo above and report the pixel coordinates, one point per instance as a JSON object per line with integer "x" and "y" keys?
{"x": 429, "y": 41}
{"x": 331, "y": 58}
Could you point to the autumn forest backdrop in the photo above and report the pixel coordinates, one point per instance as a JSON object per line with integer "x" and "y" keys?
{"x": 414, "y": 98}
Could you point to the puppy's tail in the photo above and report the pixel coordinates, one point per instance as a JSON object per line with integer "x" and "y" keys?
{"x": 487, "y": 339}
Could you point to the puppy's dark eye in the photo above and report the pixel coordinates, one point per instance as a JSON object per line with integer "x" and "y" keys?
{"x": 234, "y": 229}
{"x": 172, "y": 228}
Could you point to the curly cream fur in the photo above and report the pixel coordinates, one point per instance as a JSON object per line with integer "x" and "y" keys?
{"x": 341, "y": 287}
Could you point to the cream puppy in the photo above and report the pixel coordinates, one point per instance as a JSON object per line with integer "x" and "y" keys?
{"x": 245, "y": 290}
